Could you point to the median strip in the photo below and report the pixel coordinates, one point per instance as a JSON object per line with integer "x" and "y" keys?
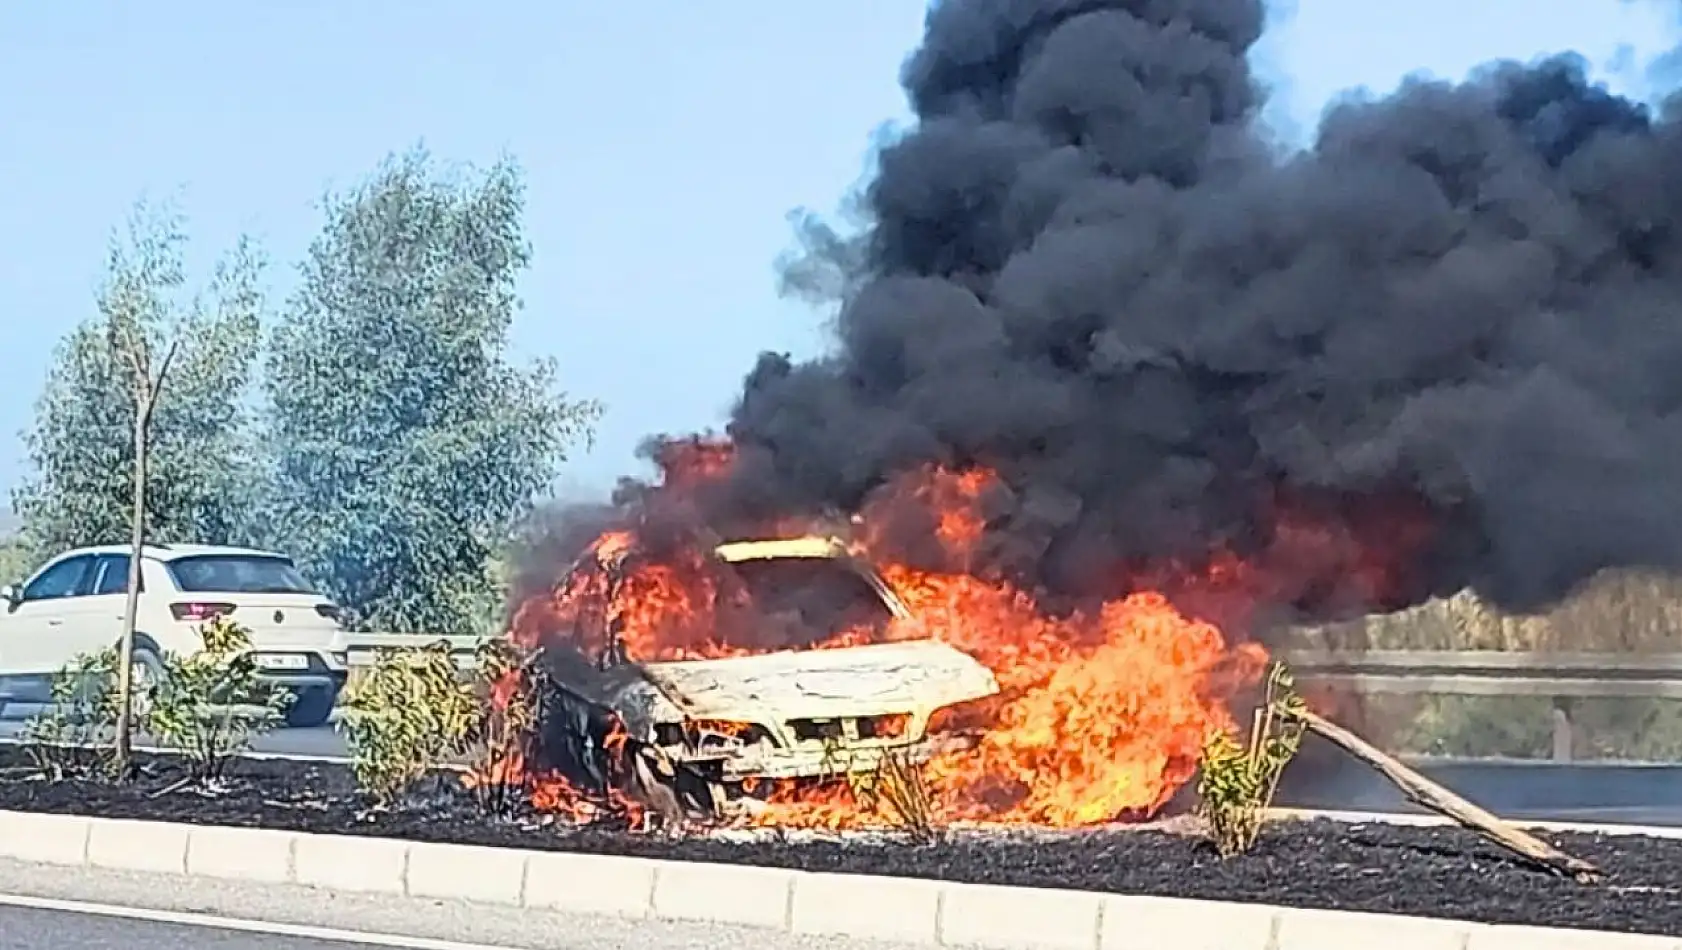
{"x": 934, "y": 913}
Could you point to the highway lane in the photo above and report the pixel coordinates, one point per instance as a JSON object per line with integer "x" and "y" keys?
{"x": 31, "y": 929}
{"x": 43, "y": 907}
{"x": 1541, "y": 791}
{"x": 324, "y": 741}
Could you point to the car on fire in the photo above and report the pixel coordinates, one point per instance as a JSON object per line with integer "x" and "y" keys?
{"x": 706, "y": 733}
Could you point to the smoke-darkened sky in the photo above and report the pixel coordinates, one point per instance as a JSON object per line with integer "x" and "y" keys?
{"x": 649, "y": 209}
{"x": 1086, "y": 266}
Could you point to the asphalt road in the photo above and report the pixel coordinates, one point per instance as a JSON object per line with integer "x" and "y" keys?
{"x": 88, "y": 909}
{"x": 1539, "y": 791}
{"x": 324, "y": 741}
{"x": 28, "y": 929}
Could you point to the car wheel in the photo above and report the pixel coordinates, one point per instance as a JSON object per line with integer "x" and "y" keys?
{"x": 310, "y": 708}
{"x": 145, "y": 673}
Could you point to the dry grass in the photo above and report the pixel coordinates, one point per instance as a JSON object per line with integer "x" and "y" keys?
{"x": 898, "y": 790}
{"x": 1617, "y": 612}
{"x": 1623, "y": 612}
{"x": 903, "y": 787}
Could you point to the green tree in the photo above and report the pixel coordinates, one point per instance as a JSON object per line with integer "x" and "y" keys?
{"x": 407, "y": 442}
{"x": 82, "y": 443}
{"x": 147, "y": 394}
{"x": 15, "y": 560}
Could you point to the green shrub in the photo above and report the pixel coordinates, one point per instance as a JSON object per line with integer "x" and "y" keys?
{"x": 73, "y": 738}
{"x": 406, "y": 716}
{"x": 1238, "y": 779}
{"x": 211, "y": 703}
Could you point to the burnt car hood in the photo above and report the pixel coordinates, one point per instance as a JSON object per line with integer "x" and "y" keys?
{"x": 913, "y": 677}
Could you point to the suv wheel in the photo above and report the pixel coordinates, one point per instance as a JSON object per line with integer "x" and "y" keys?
{"x": 145, "y": 672}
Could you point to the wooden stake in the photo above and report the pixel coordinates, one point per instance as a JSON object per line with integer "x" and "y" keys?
{"x": 1428, "y": 794}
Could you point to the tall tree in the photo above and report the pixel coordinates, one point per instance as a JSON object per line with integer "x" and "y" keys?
{"x": 81, "y": 445}
{"x": 105, "y": 416}
{"x": 408, "y": 443}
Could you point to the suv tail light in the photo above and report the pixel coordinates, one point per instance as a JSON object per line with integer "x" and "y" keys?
{"x": 200, "y": 611}
{"x": 330, "y": 611}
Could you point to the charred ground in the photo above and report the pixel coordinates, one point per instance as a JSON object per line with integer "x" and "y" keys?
{"x": 1375, "y": 868}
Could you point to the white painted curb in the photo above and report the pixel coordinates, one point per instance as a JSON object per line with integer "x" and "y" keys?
{"x": 933, "y": 913}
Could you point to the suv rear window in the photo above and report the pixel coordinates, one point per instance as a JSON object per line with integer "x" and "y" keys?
{"x": 237, "y": 574}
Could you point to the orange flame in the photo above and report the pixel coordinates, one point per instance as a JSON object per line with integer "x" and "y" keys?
{"x": 1102, "y": 712}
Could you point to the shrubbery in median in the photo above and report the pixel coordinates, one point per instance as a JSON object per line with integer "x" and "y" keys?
{"x": 208, "y": 705}
{"x": 414, "y": 713}
{"x": 508, "y": 685}
{"x": 1240, "y": 777}
{"x": 211, "y": 704}
{"x": 73, "y": 738}
{"x": 406, "y": 716}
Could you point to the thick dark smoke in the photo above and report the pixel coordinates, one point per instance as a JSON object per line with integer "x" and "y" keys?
{"x": 1085, "y": 267}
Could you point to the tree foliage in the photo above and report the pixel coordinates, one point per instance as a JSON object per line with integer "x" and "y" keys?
{"x": 82, "y": 444}
{"x": 407, "y": 443}
{"x": 15, "y": 560}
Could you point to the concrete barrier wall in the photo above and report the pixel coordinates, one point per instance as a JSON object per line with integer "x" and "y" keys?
{"x": 927, "y": 912}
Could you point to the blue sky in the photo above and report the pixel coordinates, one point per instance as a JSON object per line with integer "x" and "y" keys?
{"x": 665, "y": 142}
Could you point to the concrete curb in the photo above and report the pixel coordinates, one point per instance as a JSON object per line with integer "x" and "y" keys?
{"x": 933, "y": 913}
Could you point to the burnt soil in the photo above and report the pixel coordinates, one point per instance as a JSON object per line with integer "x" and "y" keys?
{"x": 1320, "y": 864}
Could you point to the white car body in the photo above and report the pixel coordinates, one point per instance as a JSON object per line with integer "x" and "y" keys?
{"x": 74, "y": 605}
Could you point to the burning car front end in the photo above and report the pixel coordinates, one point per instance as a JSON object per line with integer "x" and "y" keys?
{"x": 734, "y": 723}
{"x": 793, "y": 714}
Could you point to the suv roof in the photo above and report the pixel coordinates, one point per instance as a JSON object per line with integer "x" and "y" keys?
{"x": 173, "y": 552}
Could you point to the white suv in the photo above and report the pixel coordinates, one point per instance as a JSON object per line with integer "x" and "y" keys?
{"x": 74, "y": 605}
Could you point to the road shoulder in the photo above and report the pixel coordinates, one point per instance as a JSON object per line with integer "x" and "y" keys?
{"x": 399, "y": 916}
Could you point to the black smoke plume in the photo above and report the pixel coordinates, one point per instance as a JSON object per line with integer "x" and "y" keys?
{"x": 1085, "y": 266}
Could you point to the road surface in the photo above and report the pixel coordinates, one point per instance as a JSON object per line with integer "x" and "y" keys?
{"x": 324, "y": 741}
{"x": 1538, "y": 791}
{"x": 29, "y": 928}
{"x": 50, "y": 908}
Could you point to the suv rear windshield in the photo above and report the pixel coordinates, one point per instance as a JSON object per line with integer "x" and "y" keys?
{"x": 237, "y": 574}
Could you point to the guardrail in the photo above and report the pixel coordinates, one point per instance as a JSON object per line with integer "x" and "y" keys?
{"x": 362, "y": 647}
{"x": 1563, "y": 678}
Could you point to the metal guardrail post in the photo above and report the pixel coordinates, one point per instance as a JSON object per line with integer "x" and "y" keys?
{"x": 1563, "y": 733}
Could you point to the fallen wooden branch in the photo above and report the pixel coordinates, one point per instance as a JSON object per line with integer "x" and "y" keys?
{"x": 1428, "y": 794}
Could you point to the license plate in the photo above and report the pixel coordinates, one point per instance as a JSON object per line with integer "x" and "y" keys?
{"x": 283, "y": 661}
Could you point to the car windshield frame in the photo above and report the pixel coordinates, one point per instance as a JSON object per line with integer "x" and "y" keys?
{"x": 232, "y": 574}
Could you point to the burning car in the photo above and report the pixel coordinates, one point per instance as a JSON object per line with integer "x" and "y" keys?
{"x": 671, "y": 668}
{"x": 806, "y": 690}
